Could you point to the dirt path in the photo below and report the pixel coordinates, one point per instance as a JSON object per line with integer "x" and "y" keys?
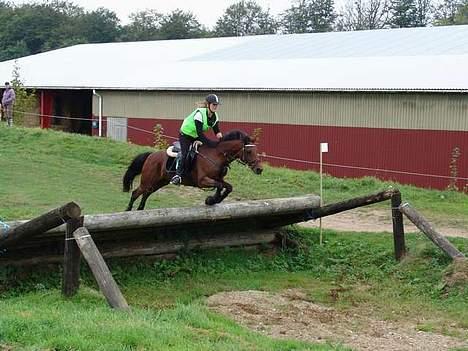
{"x": 290, "y": 315}
{"x": 379, "y": 220}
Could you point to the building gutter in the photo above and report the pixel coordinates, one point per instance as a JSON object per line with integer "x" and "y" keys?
{"x": 99, "y": 112}
{"x": 262, "y": 89}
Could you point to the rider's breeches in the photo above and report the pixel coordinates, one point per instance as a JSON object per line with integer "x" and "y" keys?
{"x": 185, "y": 142}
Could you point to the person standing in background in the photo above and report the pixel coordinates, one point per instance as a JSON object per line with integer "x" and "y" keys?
{"x": 8, "y": 100}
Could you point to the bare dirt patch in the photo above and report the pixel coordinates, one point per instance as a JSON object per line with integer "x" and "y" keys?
{"x": 379, "y": 220}
{"x": 457, "y": 273}
{"x": 289, "y": 315}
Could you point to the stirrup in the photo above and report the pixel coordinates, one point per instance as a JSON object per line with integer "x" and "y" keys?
{"x": 176, "y": 180}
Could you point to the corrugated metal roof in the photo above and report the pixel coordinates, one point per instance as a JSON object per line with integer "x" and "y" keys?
{"x": 426, "y": 59}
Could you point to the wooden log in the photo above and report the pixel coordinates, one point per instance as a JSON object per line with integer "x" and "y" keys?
{"x": 41, "y": 224}
{"x": 352, "y": 203}
{"x": 191, "y": 215}
{"x": 398, "y": 227}
{"x": 164, "y": 217}
{"x": 174, "y": 246}
{"x": 438, "y": 239}
{"x": 71, "y": 259}
{"x": 100, "y": 270}
{"x": 134, "y": 247}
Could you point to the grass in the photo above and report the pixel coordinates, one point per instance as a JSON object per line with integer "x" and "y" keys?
{"x": 167, "y": 296}
{"x": 49, "y": 322}
{"x": 41, "y": 170}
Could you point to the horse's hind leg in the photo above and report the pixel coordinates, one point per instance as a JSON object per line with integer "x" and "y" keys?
{"x": 142, "y": 204}
{"x": 146, "y": 194}
{"x": 135, "y": 195}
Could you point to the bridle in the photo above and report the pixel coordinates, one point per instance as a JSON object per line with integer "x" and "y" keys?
{"x": 241, "y": 158}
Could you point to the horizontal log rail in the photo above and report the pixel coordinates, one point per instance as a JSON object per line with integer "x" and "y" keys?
{"x": 338, "y": 207}
{"x": 169, "y": 230}
{"x": 261, "y": 210}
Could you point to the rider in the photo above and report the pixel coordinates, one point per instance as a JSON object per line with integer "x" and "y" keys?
{"x": 193, "y": 128}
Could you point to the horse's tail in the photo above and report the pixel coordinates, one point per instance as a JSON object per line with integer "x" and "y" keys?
{"x": 133, "y": 170}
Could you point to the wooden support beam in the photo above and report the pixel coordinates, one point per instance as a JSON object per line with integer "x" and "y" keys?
{"x": 438, "y": 239}
{"x": 338, "y": 207}
{"x": 71, "y": 259}
{"x": 38, "y": 225}
{"x": 398, "y": 227}
{"x": 100, "y": 270}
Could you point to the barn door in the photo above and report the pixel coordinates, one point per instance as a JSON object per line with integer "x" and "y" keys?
{"x": 117, "y": 128}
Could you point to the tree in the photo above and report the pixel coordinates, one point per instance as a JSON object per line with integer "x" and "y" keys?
{"x": 245, "y": 18}
{"x": 34, "y": 28}
{"x": 424, "y": 12}
{"x": 25, "y": 100}
{"x": 309, "y": 16}
{"x": 100, "y": 26}
{"x": 410, "y": 13}
{"x": 144, "y": 25}
{"x": 180, "y": 25}
{"x": 363, "y": 14}
{"x": 451, "y": 12}
{"x": 462, "y": 14}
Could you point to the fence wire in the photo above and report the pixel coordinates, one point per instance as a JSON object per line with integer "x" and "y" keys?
{"x": 263, "y": 154}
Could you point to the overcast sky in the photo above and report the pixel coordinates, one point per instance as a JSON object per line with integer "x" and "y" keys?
{"x": 207, "y": 11}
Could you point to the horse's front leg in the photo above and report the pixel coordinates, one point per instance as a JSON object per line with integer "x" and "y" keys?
{"x": 207, "y": 182}
{"x": 227, "y": 190}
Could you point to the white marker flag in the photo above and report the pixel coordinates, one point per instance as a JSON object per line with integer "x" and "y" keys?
{"x": 323, "y": 147}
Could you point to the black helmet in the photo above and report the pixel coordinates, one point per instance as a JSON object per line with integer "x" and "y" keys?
{"x": 212, "y": 99}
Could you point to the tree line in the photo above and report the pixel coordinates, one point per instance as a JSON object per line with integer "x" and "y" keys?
{"x": 37, "y": 27}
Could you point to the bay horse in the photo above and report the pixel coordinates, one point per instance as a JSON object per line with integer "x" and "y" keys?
{"x": 210, "y": 168}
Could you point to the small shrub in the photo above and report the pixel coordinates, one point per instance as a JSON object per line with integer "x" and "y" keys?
{"x": 160, "y": 142}
{"x": 256, "y": 134}
{"x": 454, "y": 169}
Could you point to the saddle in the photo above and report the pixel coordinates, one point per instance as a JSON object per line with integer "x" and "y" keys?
{"x": 174, "y": 154}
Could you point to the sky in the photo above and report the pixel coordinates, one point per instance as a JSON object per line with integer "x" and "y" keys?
{"x": 207, "y": 11}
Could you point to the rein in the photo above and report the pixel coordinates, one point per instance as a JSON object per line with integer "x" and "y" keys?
{"x": 230, "y": 158}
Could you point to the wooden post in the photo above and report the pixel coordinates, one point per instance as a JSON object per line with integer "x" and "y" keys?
{"x": 398, "y": 227}
{"x": 71, "y": 259}
{"x": 438, "y": 239}
{"x": 39, "y": 224}
{"x": 100, "y": 270}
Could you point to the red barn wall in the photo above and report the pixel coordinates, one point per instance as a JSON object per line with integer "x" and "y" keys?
{"x": 409, "y": 156}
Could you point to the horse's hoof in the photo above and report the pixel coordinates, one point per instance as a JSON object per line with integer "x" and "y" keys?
{"x": 210, "y": 200}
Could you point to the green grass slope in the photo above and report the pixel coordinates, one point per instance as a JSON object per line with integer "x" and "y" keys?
{"x": 41, "y": 170}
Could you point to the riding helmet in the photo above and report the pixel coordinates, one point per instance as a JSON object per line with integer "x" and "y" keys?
{"x": 212, "y": 99}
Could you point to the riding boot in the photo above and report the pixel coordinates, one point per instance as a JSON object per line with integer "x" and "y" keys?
{"x": 177, "y": 179}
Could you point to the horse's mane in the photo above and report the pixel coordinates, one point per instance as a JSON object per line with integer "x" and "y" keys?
{"x": 237, "y": 134}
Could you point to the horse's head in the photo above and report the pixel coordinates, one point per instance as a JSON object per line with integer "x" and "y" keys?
{"x": 249, "y": 156}
{"x": 248, "y": 153}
